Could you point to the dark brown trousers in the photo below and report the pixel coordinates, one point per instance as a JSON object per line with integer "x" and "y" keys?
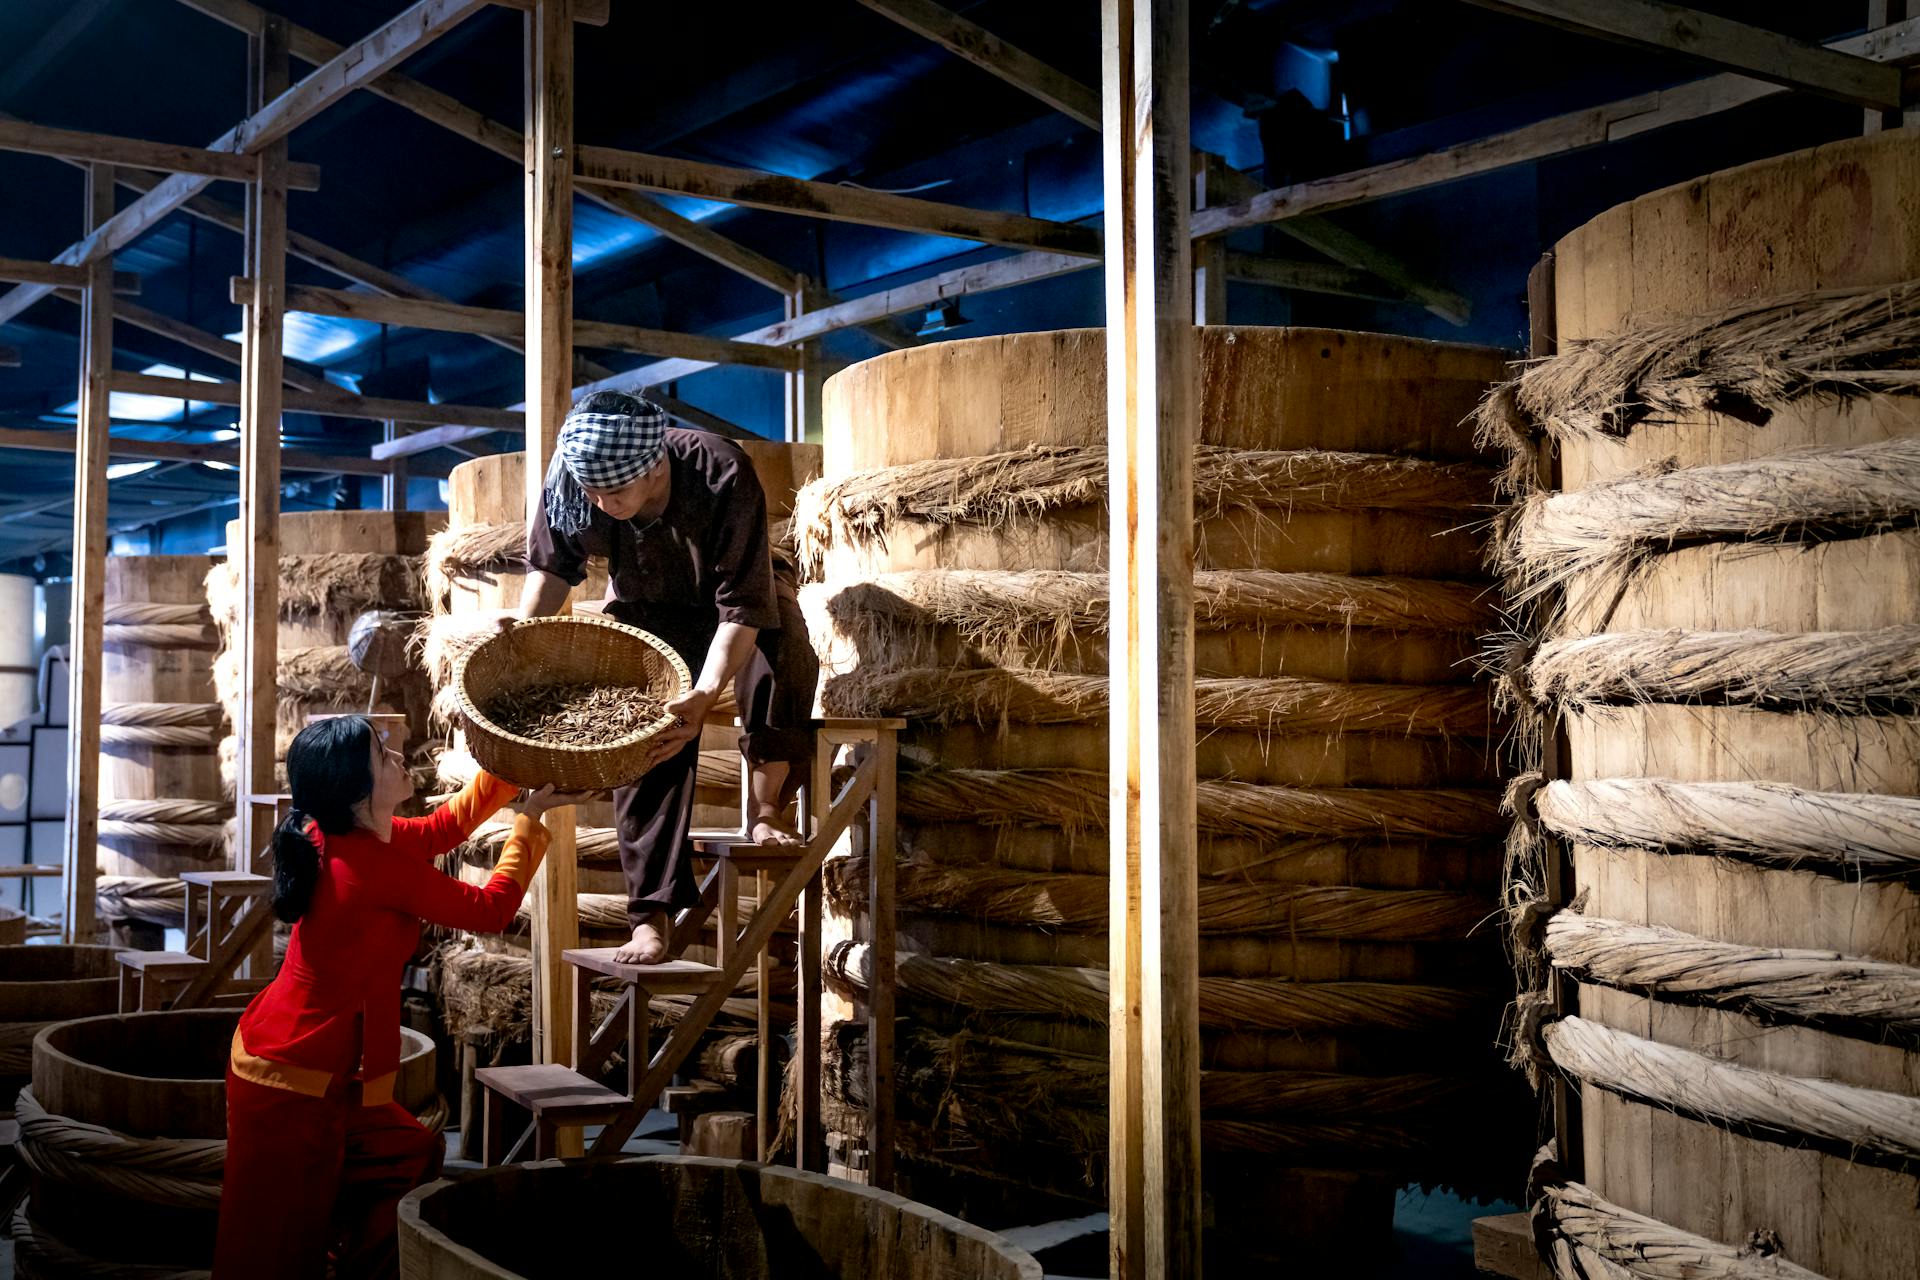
{"x": 774, "y": 692}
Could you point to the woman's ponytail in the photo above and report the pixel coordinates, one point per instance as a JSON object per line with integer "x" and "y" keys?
{"x": 329, "y": 771}
{"x": 296, "y": 866}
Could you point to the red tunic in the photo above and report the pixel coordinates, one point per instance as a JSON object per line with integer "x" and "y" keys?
{"x": 333, "y": 1012}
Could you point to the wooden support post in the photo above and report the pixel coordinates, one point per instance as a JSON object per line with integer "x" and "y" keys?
{"x": 766, "y": 1093}
{"x": 882, "y": 940}
{"x": 1209, "y": 256}
{"x": 393, "y": 485}
{"x": 1884, "y": 13}
{"x": 803, "y": 384}
{"x": 258, "y": 556}
{"x": 1154, "y": 1089}
{"x": 549, "y": 338}
{"x": 810, "y": 1144}
{"x": 80, "y": 856}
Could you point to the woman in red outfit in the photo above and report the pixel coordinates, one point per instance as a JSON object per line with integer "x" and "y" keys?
{"x": 318, "y": 1152}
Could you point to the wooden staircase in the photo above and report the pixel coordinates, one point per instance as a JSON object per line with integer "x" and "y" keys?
{"x": 229, "y": 920}
{"x": 560, "y": 1096}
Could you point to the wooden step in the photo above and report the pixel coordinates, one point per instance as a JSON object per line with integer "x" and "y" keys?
{"x": 745, "y": 855}
{"x": 668, "y": 978}
{"x": 238, "y": 884}
{"x": 560, "y": 1094}
{"x": 162, "y": 964}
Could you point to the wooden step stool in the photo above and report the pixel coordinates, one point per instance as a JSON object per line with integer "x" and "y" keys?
{"x": 149, "y": 978}
{"x": 561, "y": 1097}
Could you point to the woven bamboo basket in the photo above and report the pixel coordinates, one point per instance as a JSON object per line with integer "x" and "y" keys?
{"x": 573, "y": 650}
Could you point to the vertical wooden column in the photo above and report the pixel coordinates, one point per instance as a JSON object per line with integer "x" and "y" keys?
{"x": 257, "y": 557}
{"x": 1210, "y": 255}
{"x": 1154, "y": 1099}
{"x": 884, "y": 937}
{"x": 1884, "y": 13}
{"x": 393, "y": 485}
{"x": 549, "y": 304}
{"x": 810, "y": 1142}
{"x": 803, "y": 384}
{"x": 80, "y": 855}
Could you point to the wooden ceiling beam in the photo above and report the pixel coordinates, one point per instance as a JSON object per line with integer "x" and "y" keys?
{"x": 73, "y": 144}
{"x": 170, "y": 451}
{"x": 301, "y": 377}
{"x": 33, "y": 271}
{"x": 1722, "y": 42}
{"x": 338, "y": 404}
{"x": 608, "y": 166}
{"x": 969, "y": 40}
{"x": 1560, "y": 135}
{"x": 406, "y": 34}
{"x": 1081, "y": 103}
{"x": 453, "y": 317}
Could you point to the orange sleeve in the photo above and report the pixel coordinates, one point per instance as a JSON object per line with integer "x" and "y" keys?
{"x": 525, "y": 848}
{"x": 444, "y": 828}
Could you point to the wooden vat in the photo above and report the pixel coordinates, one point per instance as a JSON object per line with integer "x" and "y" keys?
{"x": 161, "y": 806}
{"x": 1667, "y": 272}
{"x": 334, "y": 566}
{"x": 960, "y": 535}
{"x": 158, "y": 1079}
{"x": 700, "y": 1218}
{"x": 46, "y": 984}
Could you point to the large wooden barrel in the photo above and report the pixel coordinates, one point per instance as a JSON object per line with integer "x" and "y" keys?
{"x": 1729, "y": 634}
{"x": 161, "y": 807}
{"x": 159, "y": 1081}
{"x": 334, "y": 566}
{"x": 700, "y": 1218}
{"x": 1348, "y": 782}
{"x": 45, "y": 984}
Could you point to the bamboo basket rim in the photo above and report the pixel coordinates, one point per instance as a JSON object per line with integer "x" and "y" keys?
{"x": 572, "y": 751}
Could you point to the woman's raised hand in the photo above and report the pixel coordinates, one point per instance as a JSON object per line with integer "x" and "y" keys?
{"x": 547, "y": 798}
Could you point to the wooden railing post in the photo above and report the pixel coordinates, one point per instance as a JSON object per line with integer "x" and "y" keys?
{"x": 1154, "y": 1087}
{"x": 549, "y": 385}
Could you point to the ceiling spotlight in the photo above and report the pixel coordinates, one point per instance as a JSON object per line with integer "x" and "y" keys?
{"x": 941, "y": 318}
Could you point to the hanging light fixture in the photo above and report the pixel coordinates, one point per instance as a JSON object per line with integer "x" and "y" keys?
{"x": 940, "y": 318}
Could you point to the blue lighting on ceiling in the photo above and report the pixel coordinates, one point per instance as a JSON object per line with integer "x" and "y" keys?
{"x": 129, "y": 406}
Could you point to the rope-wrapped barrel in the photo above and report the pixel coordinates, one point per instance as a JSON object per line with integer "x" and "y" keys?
{"x": 1722, "y": 610}
{"x": 334, "y": 566}
{"x": 1349, "y": 836}
{"x": 126, "y": 1124}
{"x": 161, "y": 808}
{"x": 40, "y": 985}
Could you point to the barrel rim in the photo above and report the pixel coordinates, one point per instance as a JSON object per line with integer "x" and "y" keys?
{"x": 1028, "y": 1267}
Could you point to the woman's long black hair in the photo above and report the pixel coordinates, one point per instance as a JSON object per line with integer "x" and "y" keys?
{"x": 329, "y": 773}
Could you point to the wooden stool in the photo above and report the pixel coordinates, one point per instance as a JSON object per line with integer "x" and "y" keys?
{"x": 146, "y": 975}
{"x": 559, "y": 1097}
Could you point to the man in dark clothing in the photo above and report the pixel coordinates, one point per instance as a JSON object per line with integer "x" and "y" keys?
{"x": 682, "y": 522}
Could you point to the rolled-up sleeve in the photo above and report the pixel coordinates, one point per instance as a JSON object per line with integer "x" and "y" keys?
{"x": 556, "y": 553}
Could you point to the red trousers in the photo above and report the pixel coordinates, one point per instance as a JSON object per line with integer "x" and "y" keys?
{"x": 308, "y": 1179}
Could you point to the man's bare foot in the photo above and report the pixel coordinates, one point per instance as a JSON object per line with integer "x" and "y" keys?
{"x": 773, "y": 829}
{"x": 649, "y": 945}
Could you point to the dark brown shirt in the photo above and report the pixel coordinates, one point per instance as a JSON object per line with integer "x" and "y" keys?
{"x": 705, "y": 561}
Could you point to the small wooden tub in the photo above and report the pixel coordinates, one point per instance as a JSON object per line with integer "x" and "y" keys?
{"x": 160, "y": 1080}
{"x": 40, "y": 985}
{"x": 697, "y": 1217}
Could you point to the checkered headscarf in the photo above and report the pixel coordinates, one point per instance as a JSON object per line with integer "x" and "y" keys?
{"x": 600, "y": 450}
